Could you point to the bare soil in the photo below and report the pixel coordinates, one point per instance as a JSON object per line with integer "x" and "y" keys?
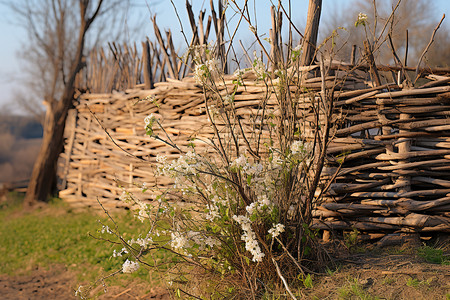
{"x": 369, "y": 276}
{"x": 361, "y": 276}
{"x": 60, "y": 283}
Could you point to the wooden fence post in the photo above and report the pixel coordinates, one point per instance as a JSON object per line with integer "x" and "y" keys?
{"x": 147, "y": 68}
{"x": 311, "y": 32}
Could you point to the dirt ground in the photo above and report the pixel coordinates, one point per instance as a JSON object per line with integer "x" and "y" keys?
{"x": 363, "y": 276}
{"x": 60, "y": 283}
{"x": 369, "y": 276}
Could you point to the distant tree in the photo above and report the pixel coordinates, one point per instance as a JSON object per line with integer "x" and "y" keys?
{"x": 59, "y": 34}
{"x": 439, "y": 54}
{"x": 416, "y": 16}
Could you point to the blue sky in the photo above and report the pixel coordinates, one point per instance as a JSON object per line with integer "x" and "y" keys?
{"x": 12, "y": 36}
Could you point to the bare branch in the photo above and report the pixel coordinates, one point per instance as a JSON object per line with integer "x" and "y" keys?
{"x": 427, "y": 47}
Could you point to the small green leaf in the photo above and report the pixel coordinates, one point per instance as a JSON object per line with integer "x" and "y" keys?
{"x": 178, "y": 293}
{"x": 307, "y": 282}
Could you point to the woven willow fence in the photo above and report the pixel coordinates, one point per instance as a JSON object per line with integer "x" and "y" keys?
{"x": 388, "y": 161}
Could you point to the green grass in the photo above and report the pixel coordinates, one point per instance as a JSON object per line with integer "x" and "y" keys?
{"x": 57, "y": 235}
{"x": 433, "y": 255}
{"x": 414, "y": 282}
{"x": 353, "y": 290}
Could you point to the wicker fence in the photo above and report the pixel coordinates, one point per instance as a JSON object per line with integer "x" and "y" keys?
{"x": 391, "y": 160}
{"x": 388, "y": 160}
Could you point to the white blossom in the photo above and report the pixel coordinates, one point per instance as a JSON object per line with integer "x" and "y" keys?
{"x": 178, "y": 241}
{"x": 301, "y": 150}
{"x": 143, "y": 242}
{"x": 238, "y": 73}
{"x": 130, "y": 266}
{"x": 79, "y": 292}
{"x": 259, "y": 68}
{"x": 258, "y": 206}
{"x": 200, "y": 72}
{"x": 162, "y": 159}
{"x": 361, "y": 20}
{"x": 213, "y": 212}
{"x": 119, "y": 253}
{"x": 106, "y": 229}
{"x": 249, "y": 237}
{"x": 296, "y": 147}
{"x": 142, "y": 211}
{"x": 276, "y": 230}
{"x": 239, "y": 162}
{"x": 213, "y": 65}
{"x": 149, "y": 120}
{"x": 126, "y": 197}
{"x": 228, "y": 99}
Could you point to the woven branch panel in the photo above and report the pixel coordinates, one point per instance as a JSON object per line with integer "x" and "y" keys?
{"x": 389, "y": 156}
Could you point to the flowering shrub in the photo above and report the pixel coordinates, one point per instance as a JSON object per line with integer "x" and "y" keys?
{"x": 242, "y": 209}
{"x": 246, "y": 205}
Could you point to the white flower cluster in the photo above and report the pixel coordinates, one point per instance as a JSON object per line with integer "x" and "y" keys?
{"x": 262, "y": 181}
{"x": 259, "y": 68}
{"x": 238, "y": 74}
{"x": 213, "y": 65}
{"x": 200, "y": 72}
{"x": 361, "y": 20}
{"x": 262, "y": 203}
{"x": 209, "y": 68}
{"x": 228, "y": 100}
{"x": 213, "y": 206}
{"x": 276, "y": 230}
{"x": 301, "y": 147}
{"x": 302, "y": 151}
{"x": 149, "y": 120}
{"x": 202, "y": 240}
{"x": 142, "y": 242}
{"x": 142, "y": 209}
{"x": 181, "y": 169}
{"x": 181, "y": 242}
{"x": 213, "y": 112}
{"x": 161, "y": 159}
{"x": 249, "y": 237}
{"x": 239, "y": 162}
{"x": 119, "y": 253}
{"x": 144, "y": 187}
{"x": 130, "y": 266}
{"x": 106, "y": 229}
{"x": 242, "y": 163}
{"x": 126, "y": 197}
{"x": 259, "y": 177}
{"x": 80, "y": 292}
{"x": 296, "y": 52}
